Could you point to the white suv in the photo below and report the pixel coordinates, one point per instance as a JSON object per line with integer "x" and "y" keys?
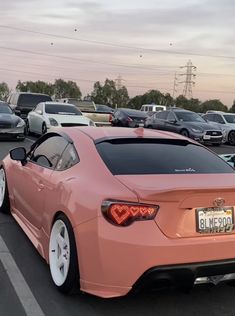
{"x": 226, "y": 121}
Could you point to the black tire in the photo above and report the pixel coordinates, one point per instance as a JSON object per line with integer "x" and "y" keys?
{"x": 5, "y": 205}
{"x": 231, "y": 138}
{"x": 72, "y": 282}
{"x": 184, "y": 132}
{"x": 27, "y": 129}
{"x": 44, "y": 128}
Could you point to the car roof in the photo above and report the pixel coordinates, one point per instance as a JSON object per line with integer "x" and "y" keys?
{"x": 96, "y": 133}
{"x": 59, "y": 103}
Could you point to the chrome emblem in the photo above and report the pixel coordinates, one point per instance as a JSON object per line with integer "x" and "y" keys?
{"x": 219, "y": 202}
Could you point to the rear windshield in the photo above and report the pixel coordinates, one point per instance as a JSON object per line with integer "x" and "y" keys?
{"x": 31, "y": 100}
{"x": 151, "y": 156}
{"x": 62, "y": 109}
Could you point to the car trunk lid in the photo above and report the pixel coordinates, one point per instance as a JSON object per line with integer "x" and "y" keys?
{"x": 184, "y": 199}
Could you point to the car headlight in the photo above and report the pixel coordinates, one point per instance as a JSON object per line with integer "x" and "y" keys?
{"x": 91, "y": 123}
{"x": 196, "y": 130}
{"x": 53, "y": 122}
{"x": 21, "y": 123}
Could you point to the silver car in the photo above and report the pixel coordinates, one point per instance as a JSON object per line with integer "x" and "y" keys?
{"x": 226, "y": 121}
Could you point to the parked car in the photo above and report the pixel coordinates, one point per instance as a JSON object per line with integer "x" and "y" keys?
{"x": 157, "y": 201}
{"x": 229, "y": 158}
{"x": 128, "y": 118}
{"x": 152, "y": 107}
{"x": 91, "y": 110}
{"x": 104, "y": 108}
{"x": 11, "y": 126}
{"x": 24, "y": 102}
{"x": 47, "y": 115}
{"x": 226, "y": 121}
{"x": 186, "y": 123}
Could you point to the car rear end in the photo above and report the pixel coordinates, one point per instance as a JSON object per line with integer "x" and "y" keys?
{"x": 179, "y": 230}
{"x": 27, "y": 102}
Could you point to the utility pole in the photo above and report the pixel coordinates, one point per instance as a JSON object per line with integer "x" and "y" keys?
{"x": 189, "y": 82}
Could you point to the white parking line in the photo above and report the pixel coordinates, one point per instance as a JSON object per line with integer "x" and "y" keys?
{"x": 22, "y": 289}
{"x": 30, "y": 140}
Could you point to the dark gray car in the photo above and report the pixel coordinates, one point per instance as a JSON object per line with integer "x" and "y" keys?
{"x": 11, "y": 125}
{"x": 186, "y": 123}
{"x": 128, "y": 118}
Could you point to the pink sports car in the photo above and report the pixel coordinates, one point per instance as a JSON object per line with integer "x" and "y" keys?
{"x": 116, "y": 209}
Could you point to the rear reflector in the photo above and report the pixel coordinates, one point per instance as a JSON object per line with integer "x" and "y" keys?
{"x": 125, "y": 213}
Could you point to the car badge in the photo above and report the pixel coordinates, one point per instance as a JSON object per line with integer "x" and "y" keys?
{"x": 219, "y": 202}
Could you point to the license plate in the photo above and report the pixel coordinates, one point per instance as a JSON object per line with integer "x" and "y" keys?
{"x": 206, "y": 137}
{"x": 141, "y": 124}
{"x": 215, "y": 220}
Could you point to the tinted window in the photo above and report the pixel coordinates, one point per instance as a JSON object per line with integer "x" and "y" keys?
{"x": 171, "y": 117}
{"x": 229, "y": 118}
{"x": 189, "y": 117}
{"x": 150, "y": 156}
{"x": 31, "y": 100}
{"x": 4, "y": 108}
{"x": 69, "y": 158}
{"x": 162, "y": 115}
{"x": 63, "y": 109}
{"x": 48, "y": 153}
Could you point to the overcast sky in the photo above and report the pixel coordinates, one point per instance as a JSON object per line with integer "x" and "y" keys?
{"x": 144, "y": 42}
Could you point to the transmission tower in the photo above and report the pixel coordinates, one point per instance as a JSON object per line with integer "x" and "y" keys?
{"x": 189, "y": 82}
{"x": 175, "y": 85}
{"x": 118, "y": 82}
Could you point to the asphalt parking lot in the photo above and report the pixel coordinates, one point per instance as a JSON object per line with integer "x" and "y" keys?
{"x": 26, "y": 287}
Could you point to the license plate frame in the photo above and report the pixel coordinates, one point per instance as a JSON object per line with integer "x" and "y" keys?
{"x": 224, "y": 216}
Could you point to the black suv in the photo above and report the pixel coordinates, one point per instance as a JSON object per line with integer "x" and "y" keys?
{"x": 186, "y": 123}
{"x": 24, "y": 102}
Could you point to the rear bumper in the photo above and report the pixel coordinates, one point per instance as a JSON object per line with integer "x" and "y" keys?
{"x": 113, "y": 260}
{"x": 185, "y": 276}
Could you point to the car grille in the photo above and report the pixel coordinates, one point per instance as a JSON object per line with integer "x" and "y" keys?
{"x": 214, "y": 133}
{"x": 5, "y": 125}
{"x": 72, "y": 124}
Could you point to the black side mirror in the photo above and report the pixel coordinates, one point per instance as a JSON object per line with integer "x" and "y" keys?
{"x": 172, "y": 121}
{"x": 19, "y": 154}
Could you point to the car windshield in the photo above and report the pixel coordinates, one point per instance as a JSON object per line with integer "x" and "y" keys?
{"x": 5, "y": 109}
{"x": 189, "y": 117}
{"x": 31, "y": 100}
{"x": 151, "y": 156}
{"x": 62, "y": 109}
{"x": 230, "y": 118}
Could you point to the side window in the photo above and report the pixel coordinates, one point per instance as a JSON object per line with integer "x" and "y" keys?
{"x": 68, "y": 159}
{"x": 171, "y": 117}
{"x": 162, "y": 115}
{"x": 48, "y": 153}
{"x": 209, "y": 117}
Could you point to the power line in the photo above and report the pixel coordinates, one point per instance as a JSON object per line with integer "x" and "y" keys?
{"x": 154, "y": 50}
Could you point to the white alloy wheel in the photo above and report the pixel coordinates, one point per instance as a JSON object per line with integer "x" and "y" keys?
{"x": 2, "y": 186}
{"x": 59, "y": 252}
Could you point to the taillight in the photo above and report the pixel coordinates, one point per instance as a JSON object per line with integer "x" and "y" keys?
{"x": 125, "y": 213}
{"x": 129, "y": 119}
{"x": 110, "y": 118}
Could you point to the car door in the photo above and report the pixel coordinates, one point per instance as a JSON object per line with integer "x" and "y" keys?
{"x": 32, "y": 181}
{"x": 171, "y": 123}
{"x": 160, "y": 120}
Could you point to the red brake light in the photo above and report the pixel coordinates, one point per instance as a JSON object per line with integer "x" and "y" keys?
{"x": 110, "y": 118}
{"x": 124, "y": 213}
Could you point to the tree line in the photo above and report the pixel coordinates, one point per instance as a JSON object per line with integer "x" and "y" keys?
{"x": 109, "y": 94}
